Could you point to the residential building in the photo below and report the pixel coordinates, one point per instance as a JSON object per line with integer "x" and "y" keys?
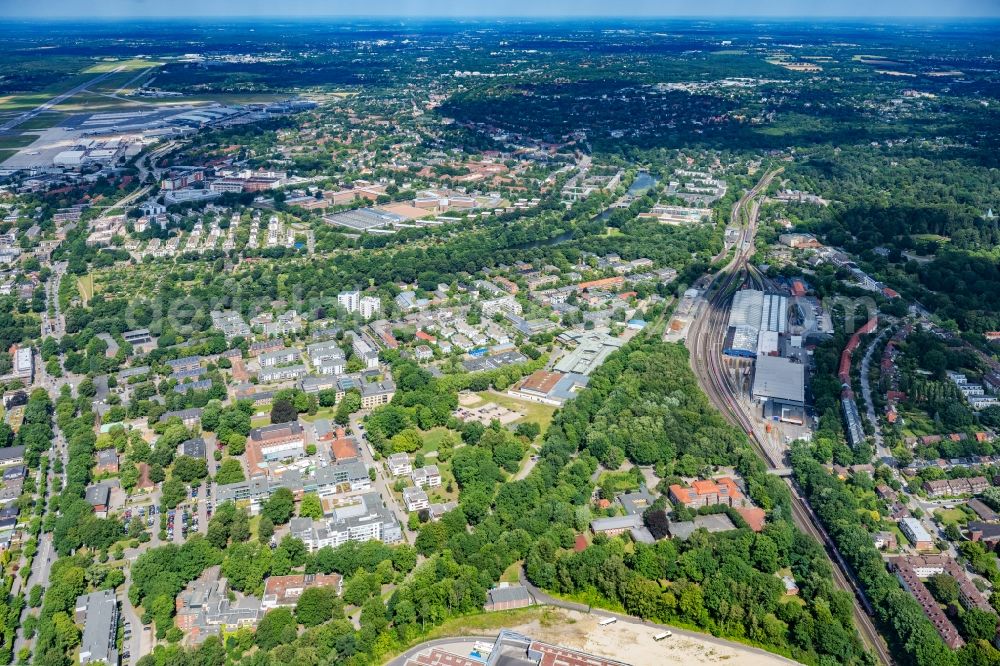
{"x": 280, "y": 374}
{"x": 99, "y": 497}
{"x": 189, "y": 417}
{"x": 98, "y": 613}
{"x": 349, "y": 300}
{"x": 265, "y": 346}
{"x": 326, "y": 357}
{"x": 399, "y": 464}
{"x": 107, "y": 461}
{"x": 204, "y": 608}
{"x": 325, "y": 481}
{"x": 415, "y": 499}
{"x": 376, "y": 394}
{"x": 370, "y": 306}
{"x": 363, "y": 519}
{"x": 908, "y": 572}
{"x": 284, "y": 591}
{"x": 885, "y": 540}
{"x": 184, "y": 363}
{"x": 200, "y": 385}
{"x": 231, "y": 324}
{"x": 953, "y": 487}
{"x": 11, "y": 455}
{"x": 426, "y": 477}
{"x": 277, "y": 441}
{"x": 916, "y": 533}
{"x": 279, "y": 357}
{"x": 364, "y": 351}
{"x": 708, "y": 492}
{"x": 286, "y": 323}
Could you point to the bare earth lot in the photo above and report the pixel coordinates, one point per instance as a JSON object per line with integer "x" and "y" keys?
{"x": 634, "y": 644}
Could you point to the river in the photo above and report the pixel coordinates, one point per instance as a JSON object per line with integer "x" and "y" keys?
{"x": 643, "y": 181}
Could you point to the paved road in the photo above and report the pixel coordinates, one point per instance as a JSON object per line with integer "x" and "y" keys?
{"x": 439, "y": 642}
{"x": 28, "y": 115}
{"x": 541, "y": 597}
{"x": 382, "y": 481}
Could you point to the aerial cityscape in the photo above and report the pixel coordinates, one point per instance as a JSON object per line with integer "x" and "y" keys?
{"x": 547, "y": 334}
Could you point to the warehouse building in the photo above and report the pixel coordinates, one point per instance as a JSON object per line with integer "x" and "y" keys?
{"x": 779, "y": 385}
{"x": 752, "y": 314}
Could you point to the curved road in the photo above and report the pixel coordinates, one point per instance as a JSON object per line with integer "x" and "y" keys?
{"x": 437, "y": 642}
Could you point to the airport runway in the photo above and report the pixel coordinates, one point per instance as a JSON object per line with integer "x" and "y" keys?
{"x": 58, "y": 99}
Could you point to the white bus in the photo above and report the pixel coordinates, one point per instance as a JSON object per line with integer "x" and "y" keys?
{"x": 664, "y": 634}
{"x": 606, "y": 621}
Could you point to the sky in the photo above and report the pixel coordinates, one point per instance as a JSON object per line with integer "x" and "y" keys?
{"x": 130, "y": 9}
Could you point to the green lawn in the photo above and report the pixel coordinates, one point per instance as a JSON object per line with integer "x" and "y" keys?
{"x": 321, "y": 413}
{"x": 951, "y": 516}
{"x": 533, "y": 411}
{"x": 510, "y": 575}
{"x": 917, "y": 423}
{"x": 432, "y": 439}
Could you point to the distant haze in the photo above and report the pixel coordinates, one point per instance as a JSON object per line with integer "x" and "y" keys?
{"x": 137, "y": 9}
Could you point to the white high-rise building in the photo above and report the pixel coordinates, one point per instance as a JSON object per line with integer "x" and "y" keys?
{"x": 349, "y": 300}
{"x": 370, "y": 306}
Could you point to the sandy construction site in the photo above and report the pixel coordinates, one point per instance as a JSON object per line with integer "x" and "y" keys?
{"x": 634, "y": 644}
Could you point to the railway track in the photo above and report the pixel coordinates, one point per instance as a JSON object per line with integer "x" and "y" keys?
{"x": 706, "y": 339}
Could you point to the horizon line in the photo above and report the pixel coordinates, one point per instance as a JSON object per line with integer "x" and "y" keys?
{"x": 528, "y": 17}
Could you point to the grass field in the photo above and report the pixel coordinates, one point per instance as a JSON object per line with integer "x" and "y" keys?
{"x": 6, "y": 152}
{"x": 432, "y": 439}
{"x": 510, "y": 575}
{"x": 930, "y": 237}
{"x": 128, "y": 65}
{"x": 43, "y": 121}
{"x": 85, "y": 286}
{"x": 321, "y": 413}
{"x": 533, "y": 411}
{"x": 15, "y": 141}
{"x": 956, "y": 516}
{"x": 917, "y": 423}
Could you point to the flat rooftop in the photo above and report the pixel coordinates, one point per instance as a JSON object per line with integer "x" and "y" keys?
{"x": 779, "y": 379}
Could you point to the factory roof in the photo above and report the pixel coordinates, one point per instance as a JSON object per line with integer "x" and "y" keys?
{"x": 779, "y": 379}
